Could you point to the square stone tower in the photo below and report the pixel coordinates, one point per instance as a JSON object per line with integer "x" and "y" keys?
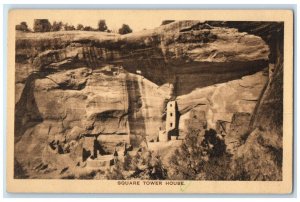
{"x": 172, "y": 119}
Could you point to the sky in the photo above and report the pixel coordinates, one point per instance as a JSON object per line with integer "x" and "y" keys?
{"x": 136, "y": 19}
{"x": 114, "y": 19}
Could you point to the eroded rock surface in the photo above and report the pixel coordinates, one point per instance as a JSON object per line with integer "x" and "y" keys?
{"x": 221, "y": 101}
{"x": 64, "y": 89}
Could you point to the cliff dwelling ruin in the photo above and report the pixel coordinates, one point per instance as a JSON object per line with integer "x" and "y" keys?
{"x": 96, "y": 98}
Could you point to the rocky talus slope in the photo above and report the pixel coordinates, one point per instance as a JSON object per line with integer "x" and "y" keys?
{"x": 71, "y": 84}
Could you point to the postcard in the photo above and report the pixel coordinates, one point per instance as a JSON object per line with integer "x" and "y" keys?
{"x": 150, "y": 101}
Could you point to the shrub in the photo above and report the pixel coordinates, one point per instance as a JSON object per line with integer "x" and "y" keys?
{"x": 79, "y": 27}
{"x": 116, "y": 173}
{"x": 216, "y": 146}
{"x": 199, "y": 158}
{"x": 68, "y": 27}
{"x": 88, "y": 28}
{"x": 22, "y": 27}
{"x": 127, "y": 162}
{"x": 148, "y": 166}
{"x": 125, "y": 29}
{"x": 187, "y": 161}
{"x": 56, "y": 26}
{"x": 217, "y": 168}
{"x": 240, "y": 173}
{"x": 102, "y": 26}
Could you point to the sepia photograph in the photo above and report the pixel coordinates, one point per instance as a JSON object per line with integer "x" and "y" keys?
{"x": 138, "y": 98}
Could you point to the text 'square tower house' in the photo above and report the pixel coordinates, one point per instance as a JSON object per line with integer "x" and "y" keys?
{"x": 172, "y": 120}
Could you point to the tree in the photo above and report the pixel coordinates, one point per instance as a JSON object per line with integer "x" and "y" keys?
{"x": 68, "y": 27}
{"x": 102, "y": 26}
{"x": 125, "y": 29}
{"x": 41, "y": 25}
{"x": 79, "y": 27}
{"x": 148, "y": 166}
{"x": 88, "y": 28}
{"x": 200, "y": 159}
{"x": 22, "y": 27}
{"x": 187, "y": 161}
{"x": 56, "y": 26}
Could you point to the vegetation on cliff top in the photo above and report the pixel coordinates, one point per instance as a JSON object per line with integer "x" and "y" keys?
{"x": 43, "y": 25}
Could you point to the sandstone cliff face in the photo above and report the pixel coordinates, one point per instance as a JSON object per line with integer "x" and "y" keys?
{"x": 160, "y": 54}
{"x": 266, "y": 126}
{"x": 68, "y": 105}
{"x": 64, "y": 90}
{"x": 221, "y": 101}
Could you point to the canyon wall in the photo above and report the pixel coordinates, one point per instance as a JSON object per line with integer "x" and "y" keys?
{"x": 71, "y": 84}
{"x": 262, "y": 153}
